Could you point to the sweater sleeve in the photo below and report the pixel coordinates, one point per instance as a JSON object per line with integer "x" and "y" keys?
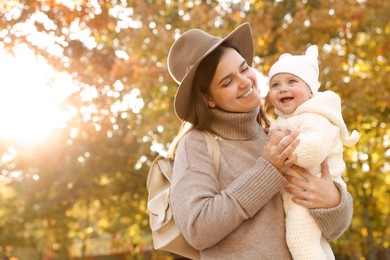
{"x": 334, "y": 221}
{"x": 204, "y": 213}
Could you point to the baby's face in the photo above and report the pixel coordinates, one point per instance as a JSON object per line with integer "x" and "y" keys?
{"x": 287, "y": 92}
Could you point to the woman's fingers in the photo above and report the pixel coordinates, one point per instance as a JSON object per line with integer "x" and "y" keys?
{"x": 310, "y": 191}
{"x": 291, "y": 160}
{"x": 288, "y": 143}
{"x": 302, "y": 197}
{"x": 303, "y": 202}
{"x": 305, "y": 174}
{"x": 279, "y": 149}
{"x": 284, "y": 144}
{"x": 298, "y": 183}
{"x": 274, "y": 136}
{"x": 288, "y": 150}
{"x": 325, "y": 170}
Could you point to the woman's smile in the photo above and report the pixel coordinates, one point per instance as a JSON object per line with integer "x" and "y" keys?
{"x": 250, "y": 91}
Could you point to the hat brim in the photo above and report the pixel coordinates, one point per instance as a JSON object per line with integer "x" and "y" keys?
{"x": 241, "y": 37}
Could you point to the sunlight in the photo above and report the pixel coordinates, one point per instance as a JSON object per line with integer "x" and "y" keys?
{"x": 31, "y": 93}
{"x": 262, "y": 82}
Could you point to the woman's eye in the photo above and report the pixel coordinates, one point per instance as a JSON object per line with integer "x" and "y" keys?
{"x": 227, "y": 82}
{"x": 245, "y": 68}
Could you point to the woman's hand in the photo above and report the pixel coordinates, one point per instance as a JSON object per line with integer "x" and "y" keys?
{"x": 311, "y": 191}
{"x": 279, "y": 149}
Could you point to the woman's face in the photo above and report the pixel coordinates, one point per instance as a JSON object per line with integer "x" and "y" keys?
{"x": 234, "y": 85}
{"x": 287, "y": 92}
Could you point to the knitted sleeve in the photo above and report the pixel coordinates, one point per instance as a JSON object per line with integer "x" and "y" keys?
{"x": 334, "y": 221}
{"x": 206, "y": 214}
{"x": 317, "y": 138}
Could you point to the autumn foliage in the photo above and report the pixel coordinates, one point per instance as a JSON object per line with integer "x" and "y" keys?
{"x": 87, "y": 181}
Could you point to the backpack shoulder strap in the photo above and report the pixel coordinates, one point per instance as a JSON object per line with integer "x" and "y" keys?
{"x": 213, "y": 148}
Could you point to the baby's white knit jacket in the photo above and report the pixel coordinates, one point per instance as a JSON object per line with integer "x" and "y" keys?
{"x": 322, "y": 135}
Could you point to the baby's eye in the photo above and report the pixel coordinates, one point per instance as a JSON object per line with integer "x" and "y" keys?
{"x": 274, "y": 85}
{"x": 292, "y": 81}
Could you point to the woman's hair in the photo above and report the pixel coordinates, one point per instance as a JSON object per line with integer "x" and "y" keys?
{"x": 200, "y": 115}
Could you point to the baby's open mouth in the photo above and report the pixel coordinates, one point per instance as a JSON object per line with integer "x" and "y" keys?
{"x": 286, "y": 99}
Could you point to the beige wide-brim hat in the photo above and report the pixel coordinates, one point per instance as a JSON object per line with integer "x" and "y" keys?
{"x": 190, "y": 49}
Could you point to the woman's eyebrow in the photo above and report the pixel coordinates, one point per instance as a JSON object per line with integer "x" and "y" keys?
{"x": 228, "y": 76}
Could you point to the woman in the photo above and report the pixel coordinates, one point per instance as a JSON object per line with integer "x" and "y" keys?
{"x": 237, "y": 212}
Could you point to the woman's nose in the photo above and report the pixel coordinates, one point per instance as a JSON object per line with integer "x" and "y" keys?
{"x": 244, "y": 81}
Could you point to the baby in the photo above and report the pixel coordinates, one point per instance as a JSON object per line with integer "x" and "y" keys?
{"x": 294, "y": 85}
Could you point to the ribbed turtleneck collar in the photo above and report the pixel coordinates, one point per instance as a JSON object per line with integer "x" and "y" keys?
{"x": 235, "y": 126}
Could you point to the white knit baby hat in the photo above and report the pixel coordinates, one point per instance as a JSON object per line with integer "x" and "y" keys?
{"x": 302, "y": 66}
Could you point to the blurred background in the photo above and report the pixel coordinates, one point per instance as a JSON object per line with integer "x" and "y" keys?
{"x": 86, "y": 103}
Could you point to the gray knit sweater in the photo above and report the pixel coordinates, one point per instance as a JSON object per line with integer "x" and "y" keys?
{"x": 237, "y": 213}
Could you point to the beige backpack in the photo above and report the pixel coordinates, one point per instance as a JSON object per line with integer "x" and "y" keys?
{"x": 166, "y": 235}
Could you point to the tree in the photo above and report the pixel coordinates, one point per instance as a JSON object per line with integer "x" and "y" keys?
{"x": 89, "y": 180}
